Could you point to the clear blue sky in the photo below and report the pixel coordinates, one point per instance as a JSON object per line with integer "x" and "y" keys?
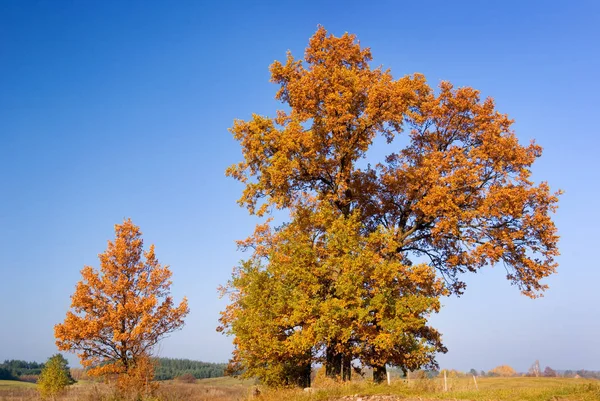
{"x": 114, "y": 109}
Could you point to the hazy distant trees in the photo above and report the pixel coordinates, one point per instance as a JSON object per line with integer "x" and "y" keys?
{"x": 168, "y": 369}
{"x": 12, "y": 369}
{"x": 164, "y": 368}
{"x": 534, "y": 370}
{"x": 6, "y": 374}
{"x": 20, "y": 370}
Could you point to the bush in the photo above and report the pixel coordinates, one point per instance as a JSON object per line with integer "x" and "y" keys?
{"x": 138, "y": 382}
{"x": 29, "y": 378}
{"x": 186, "y": 378}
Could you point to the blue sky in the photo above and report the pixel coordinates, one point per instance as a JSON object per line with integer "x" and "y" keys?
{"x": 120, "y": 109}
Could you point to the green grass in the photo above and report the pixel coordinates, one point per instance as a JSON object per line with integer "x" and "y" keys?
{"x": 9, "y": 384}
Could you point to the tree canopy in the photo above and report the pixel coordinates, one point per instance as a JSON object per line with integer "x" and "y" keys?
{"x": 369, "y": 250}
{"x": 119, "y": 313}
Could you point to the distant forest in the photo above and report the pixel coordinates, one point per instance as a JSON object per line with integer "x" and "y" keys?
{"x": 168, "y": 369}
{"x": 13, "y": 369}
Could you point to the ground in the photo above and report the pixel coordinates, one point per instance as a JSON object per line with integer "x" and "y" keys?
{"x": 230, "y": 389}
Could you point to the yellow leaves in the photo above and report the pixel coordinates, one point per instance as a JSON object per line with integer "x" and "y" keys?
{"x": 54, "y": 377}
{"x": 121, "y": 311}
{"x": 504, "y": 371}
{"x": 342, "y": 274}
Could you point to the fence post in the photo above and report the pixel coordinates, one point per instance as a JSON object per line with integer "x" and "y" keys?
{"x": 445, "y": 381}
{"x": 475, "y": 380}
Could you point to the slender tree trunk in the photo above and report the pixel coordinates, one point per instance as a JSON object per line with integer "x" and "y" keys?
{"x": 333, "y": 362}
{"x": 379, "y": 374}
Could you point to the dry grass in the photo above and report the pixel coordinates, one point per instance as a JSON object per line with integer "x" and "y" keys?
{"x": 229, "y": 389}
{"x": 490, "y": 389}
{"x": 218, "y": 389}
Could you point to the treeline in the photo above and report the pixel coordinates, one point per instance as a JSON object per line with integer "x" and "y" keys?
{"x": 15, "y": 369}
{"x": 168, "y": 369}
{"x": 499, "y": 371}
{"x": 585, "y": 374}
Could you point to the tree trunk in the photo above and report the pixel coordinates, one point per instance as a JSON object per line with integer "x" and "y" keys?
{"x": 346, "y": 368}
{"x": 304, "y": 378}
{"x": 379, "y": 374}
{"x": 333, "y": 362}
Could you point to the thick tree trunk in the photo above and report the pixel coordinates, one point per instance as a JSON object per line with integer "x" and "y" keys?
{"x": 346, "y": 368}
{"x": 333, "y": 362}
{"x": 379, "y": 374}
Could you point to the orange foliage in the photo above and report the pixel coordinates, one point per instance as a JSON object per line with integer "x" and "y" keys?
{"x": 119, "y": 313}
{"x": 138, "y": 380}
{"x": 504, "y": 371}
{"x": 460, "y": 193}
{"x": 342, "y": 278}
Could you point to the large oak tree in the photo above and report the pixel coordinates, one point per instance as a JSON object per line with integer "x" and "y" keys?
{"x": 369, "y": 249}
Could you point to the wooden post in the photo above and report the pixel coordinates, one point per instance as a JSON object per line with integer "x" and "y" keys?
{"x": 445, "y": 381}
{"x": 388, "y": 377}
{"x": 475, "y": 380}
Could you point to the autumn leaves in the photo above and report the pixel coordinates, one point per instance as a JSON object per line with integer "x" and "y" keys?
{"x": 351, "y": 279}
{"x": 121, "y": 311}
{"x": 367, "y": 252}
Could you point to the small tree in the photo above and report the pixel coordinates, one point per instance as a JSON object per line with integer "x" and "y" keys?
{"x": 120, "y": 312}
{"x": 503, "y": 370}
{"x": 549, "y": 372}
{"x": 55, "y": 377}
{"x": 186, "y": 378}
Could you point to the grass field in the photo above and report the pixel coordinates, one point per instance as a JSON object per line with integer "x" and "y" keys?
{"x": 230, "y": 389}
{"x": 12, "y": 384}
{"x": 489, "y": 389}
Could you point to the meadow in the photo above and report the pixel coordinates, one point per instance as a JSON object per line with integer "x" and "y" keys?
{"x": 230, "y": 389}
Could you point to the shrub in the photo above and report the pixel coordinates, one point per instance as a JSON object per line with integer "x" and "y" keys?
{"x": 138, "y": 382}
{"x": 187, "y": 378}
{"x": 54, "y": 377}
{"x": 29, "y": 378}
